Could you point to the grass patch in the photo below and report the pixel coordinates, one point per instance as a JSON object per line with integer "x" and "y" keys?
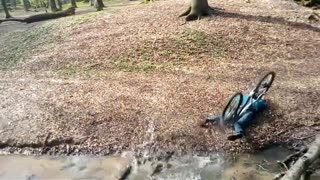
{"x": 199, "y": 42}
{"x": 20, "y": 44}
{"x": 80, "y": 4}
{"x": 72, "y": 71}
{"x": 143, "y": 66}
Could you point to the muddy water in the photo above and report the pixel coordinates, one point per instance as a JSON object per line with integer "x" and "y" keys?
{"x": 75, "y": 167}
{"x": 212, "y": 167}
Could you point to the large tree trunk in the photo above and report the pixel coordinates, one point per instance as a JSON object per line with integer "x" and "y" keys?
{"x": 59, "y": 3}
{"x": 26, "y": 5}
{"x": 300, "y": 167}
{"x": 197, "y": 9}
{"x": 73, "y": 3}
{"x": 53, "y": 5}
{"x": 13, "y": 4}
{"x": 99, "y": 5}
{"x": 4, "y": 5}
{"x": 42, "y": 17}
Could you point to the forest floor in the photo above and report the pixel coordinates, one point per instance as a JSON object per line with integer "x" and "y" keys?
{"x": 140, "y": 77}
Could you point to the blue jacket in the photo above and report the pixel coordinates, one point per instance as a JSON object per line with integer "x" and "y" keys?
{"x": 257, "y": 106}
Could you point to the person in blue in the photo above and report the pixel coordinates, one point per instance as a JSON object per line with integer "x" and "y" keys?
{"x": 241, "y": 123}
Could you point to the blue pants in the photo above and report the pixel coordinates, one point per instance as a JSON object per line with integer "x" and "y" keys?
{"x": 243, "y": 122}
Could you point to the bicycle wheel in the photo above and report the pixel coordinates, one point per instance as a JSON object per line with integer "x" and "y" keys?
{"x": 264, "y": 85}
{"x": 232, "y": 107}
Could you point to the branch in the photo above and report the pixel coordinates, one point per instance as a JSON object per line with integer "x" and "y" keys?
{"x": 300, "y": 167}
{"x": 42, "y": 17}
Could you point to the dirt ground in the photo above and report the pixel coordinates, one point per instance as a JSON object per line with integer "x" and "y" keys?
{"x": 140, "y": 77}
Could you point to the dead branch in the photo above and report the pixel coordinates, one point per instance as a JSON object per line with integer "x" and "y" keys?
{"x": 42, "y": 17}
{"x": 301, "y": 166}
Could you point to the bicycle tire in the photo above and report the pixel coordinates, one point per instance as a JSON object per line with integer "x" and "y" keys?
{"x": 227, "y": 115}
{"x": 261, "y": 85}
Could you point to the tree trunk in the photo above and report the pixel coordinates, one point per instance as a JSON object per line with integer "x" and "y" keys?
{"x": 26, "y": 5}
{"x": 42, "y": 17}
{"x": 73, "y": 3}
{"x": 53, "y": 5}
{"x": 59, "y": 3}
{"x": 13, "y": 3}
{"x": 99, "y": 5}
{"x": 4, "y": 5}
{"x": 197, "y": 9}
{"x": 300, "y": 167}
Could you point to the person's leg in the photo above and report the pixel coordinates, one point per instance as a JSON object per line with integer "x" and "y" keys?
{"x": 239, "y": 127}
{"x": 246, "y": 120}
{"x": 214, "y": 119}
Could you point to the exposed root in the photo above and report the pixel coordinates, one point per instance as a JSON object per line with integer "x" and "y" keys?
{"x": 11, "y": 19}
{"x": 191, "y": 15}
{"x": 45, "y": 144}
{"x": 186, "y": 12}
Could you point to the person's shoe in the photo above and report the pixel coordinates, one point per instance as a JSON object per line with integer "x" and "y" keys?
{"x": 234, "y": 137}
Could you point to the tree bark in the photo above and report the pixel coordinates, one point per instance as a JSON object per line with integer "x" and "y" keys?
{"x": 73, "y": 3}
{"x": 26, "y": 5}
{"x": 13, "y": 3}
{"x": 99, "y": 5}
{"x": 53, "y": 5}
{"x": 5, "y": 8}
{"x": 42, "y": 17}
{"x": 59, "y": 3}
{"x": 197, "y": 9}
{"x": 300, "y": 167}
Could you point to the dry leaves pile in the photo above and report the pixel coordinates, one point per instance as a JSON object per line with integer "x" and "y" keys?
{"x": 142, "y": 77}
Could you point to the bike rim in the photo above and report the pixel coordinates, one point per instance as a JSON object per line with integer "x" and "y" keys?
{"x": 232, "y": 107}
{"x": 267, "y": 81}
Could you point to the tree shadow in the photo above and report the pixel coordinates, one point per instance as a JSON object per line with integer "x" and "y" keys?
{"x": 266, "y": 19}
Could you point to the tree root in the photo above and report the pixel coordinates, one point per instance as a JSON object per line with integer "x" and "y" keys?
{"x": 191, "y": 16}
{"x": 45, "y": 144}
{"x": 186, "y": 12}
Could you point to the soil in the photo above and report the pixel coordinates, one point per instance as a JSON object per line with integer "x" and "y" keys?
{"x": 137, "y": 78}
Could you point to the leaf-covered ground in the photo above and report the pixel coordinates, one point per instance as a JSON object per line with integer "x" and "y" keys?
{"x": 141, "y": 77}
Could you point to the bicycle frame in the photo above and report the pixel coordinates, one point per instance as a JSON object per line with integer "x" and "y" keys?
{"x": 251, "y": 100}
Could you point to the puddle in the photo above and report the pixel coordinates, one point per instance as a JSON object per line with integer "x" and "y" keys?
{"x": 189, "y": 167}
{"x": 262, "y": 166}
{"x": 73, "y": 167}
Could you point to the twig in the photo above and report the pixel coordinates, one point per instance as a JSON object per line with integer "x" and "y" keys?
{"x": 294, "y": 155}
{"x": 262, "y": 167}
{"x": 306, "y": 137}
{"x": 287, "y": 130}
{"x": 278, "y": 176}
{"x": 45, "y": 143}
{"x": 283, "y": 164}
